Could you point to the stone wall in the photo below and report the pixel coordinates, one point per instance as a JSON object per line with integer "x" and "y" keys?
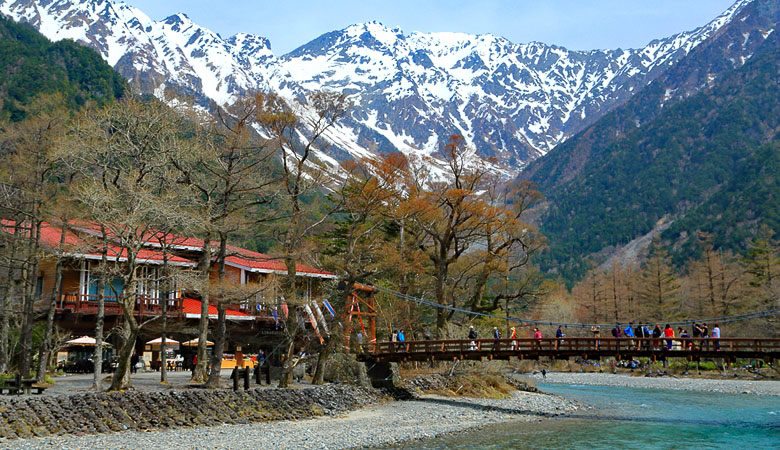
{"x": 103, "y": 412}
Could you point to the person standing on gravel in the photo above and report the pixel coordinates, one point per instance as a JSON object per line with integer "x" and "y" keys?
{"x": 134, "y": 362}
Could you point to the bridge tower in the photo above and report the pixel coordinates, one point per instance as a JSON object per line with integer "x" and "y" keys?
{"x": 361, "y": 313}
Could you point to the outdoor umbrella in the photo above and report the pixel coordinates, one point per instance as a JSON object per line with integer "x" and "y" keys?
{"x": 168, "y": 341}
{"x": 194, "y": 343}
{"x": 85, "y": 341}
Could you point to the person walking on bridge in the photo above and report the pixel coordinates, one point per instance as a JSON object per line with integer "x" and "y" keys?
{"x": 716, "y": 337}
{"x": 472, "y": 336}
{"x": 684, "y": 338}
{"x": 596, "y": 330}
{"x": 538, "y": 337}
{"x": 705, "y": 334}
{"x": 696, "y": 331}
{"x": 558, "y": 335}
{"x": 656, "y": 334}
{"x": 640, "y": 334}
{"x": 496, "y": 336}
{"x": 629, "y": 333}
{"x": 513, "y": 336}
{"x": 668, "y": 333}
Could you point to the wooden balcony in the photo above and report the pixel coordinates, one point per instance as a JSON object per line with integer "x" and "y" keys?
{"x": 144, "y": 306}
{"x": 147, "y": 307}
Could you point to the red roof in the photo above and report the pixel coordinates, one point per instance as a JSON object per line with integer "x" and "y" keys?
{"x": 78, "y": 245}
{"x": 261, "y": 262}
{"x": 248, "y": 259}
{"x": 191, "y": 307}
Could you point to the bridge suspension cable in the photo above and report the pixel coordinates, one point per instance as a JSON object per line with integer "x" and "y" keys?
{"x": 723, "y": 319}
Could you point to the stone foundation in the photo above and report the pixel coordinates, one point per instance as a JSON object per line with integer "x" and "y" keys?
{"x": 92, "y": 413}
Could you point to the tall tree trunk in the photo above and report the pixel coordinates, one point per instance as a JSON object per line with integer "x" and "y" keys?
{"x": 291, "y": 324}
{"x": 30, "y": 278}
{"x": 199, "y": 372}
{"x": 5, "y": 360}
{"x": 164, "y": 294}
{"x": 121, "y": 378}
{"x": 219, "y": 347}
{"x": 55, "y": 294}
{"x": 219, "y": 342}
{"x": 441, "y": 313}
{"x": 97, "y": 357}
{"x": 8, "y": 293}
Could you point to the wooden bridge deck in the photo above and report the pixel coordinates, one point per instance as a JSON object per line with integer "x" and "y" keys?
{"x": 587, "y": 348}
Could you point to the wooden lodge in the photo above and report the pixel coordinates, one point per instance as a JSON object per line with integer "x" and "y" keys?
{"x": 254, "y": 316}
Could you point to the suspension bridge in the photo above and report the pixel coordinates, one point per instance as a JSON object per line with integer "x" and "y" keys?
{"x": 362, "y": 307}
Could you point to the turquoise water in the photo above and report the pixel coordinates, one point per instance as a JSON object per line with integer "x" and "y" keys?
{"x": 638, "y": 418}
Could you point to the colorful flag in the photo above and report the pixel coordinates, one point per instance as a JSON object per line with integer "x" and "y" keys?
{"x": 329, "y": 308}
{"x": 321, "y": 318}
{"x": 313, "y": 322}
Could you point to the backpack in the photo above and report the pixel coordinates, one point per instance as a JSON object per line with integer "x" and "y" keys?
{"x": 614, "y": 332}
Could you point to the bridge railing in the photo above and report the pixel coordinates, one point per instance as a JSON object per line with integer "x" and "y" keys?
{"x": 580, "y": 345}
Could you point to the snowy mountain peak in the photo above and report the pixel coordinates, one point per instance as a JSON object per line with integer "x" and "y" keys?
{"x": 511, "y": 101}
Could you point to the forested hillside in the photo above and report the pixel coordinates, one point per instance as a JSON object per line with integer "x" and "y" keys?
{"x": 709, "y": 162}
{"x": 30, "y": 65}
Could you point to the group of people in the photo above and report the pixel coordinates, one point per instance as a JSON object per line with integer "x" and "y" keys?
{"x": 473, "y": 335}
{"x": 640, "y": 336}
{"x": 398, "y": 336}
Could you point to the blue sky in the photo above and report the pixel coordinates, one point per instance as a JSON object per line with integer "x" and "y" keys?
{"x": 574, "y": 24}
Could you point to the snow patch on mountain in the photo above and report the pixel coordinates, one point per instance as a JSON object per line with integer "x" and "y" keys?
{"x": 512, "y": 102}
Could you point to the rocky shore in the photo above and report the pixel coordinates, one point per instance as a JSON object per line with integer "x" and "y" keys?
{"x": 725, "y": 385}
{"x": 93, "y": 413}
{"x": 378, "y": 425}
{"x": 330, "y": 416}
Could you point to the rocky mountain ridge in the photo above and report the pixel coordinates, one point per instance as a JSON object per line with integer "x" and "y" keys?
{"x": 513, "y": 102}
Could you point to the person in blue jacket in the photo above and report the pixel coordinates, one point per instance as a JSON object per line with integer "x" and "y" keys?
{"x": 629, "y": 333}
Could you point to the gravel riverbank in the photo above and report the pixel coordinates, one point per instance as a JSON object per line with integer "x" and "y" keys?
{"x": 383, "y": 424}
{"x": 729, "y": 386}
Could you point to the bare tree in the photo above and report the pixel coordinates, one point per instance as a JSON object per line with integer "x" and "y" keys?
{"x": 296, "y": 136}
{"x": 29, "y": 154}
{"x": 355, "y": 243}
{"x": 228, "y": 167}
{"x": 122, "y": 151}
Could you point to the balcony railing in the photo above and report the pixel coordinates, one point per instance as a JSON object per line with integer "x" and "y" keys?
{"x": 144, "y": 306}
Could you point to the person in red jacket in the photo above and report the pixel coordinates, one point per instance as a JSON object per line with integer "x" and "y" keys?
{"x": 668, "y": 333}
{"x": 513, "y": 336}
{"x": 538, "y": 337}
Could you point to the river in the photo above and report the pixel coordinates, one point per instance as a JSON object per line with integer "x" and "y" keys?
{"x": 637, "y": 418}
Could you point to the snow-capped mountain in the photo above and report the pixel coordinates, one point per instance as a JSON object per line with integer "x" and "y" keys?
{"x": 411, "y": 91}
